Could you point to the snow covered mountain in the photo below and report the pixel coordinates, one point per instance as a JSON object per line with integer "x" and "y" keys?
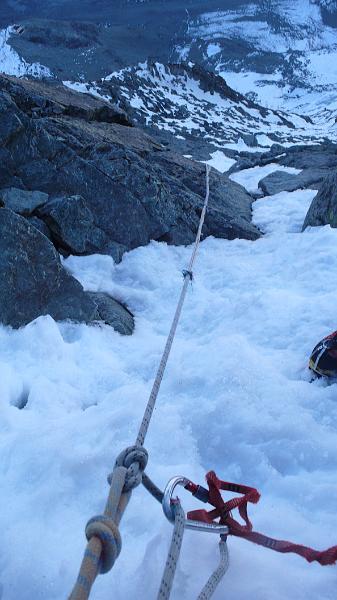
{"x": 274, "y": 51}
{"x": 202, "y": 111}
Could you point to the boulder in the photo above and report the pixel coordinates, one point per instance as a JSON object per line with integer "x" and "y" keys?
{"x": 22, "y": 202}
{"x": 32, "y": 280}
{"x": 113, "y": 313}
{"x": 280, "y": 181}
{"x": 323, "y": 209}
{"x": 71, "y": 222}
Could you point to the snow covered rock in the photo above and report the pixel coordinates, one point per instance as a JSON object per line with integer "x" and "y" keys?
{"x": 32, "y": 280}
{"x": 323, "y": 209}
{"x": 113, "y": 313}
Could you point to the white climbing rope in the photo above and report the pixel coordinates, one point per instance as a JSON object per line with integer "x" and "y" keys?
{"x": 173, "y": 553}
{"x": 214, "y": 580}
{"x": 188, "y": 276}
{"x": 104, "y": 542}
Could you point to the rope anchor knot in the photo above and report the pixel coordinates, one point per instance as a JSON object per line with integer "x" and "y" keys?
{"x": 134, "y": 459}
{"x": 107, "y": 531}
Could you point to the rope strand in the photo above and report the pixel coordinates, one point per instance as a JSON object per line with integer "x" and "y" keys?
{"x": 104, "y": 542}
{"x": 188, "y": 274}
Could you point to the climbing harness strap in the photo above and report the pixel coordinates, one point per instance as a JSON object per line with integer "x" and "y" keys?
{"x": 222, "y": 511}
{"x": 104, "y": 541}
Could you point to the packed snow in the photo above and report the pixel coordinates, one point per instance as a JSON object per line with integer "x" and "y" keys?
{"x": 237, "y": 398}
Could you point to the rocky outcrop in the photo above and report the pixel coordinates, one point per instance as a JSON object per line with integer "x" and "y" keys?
{"x": 323, "y": 209}
{"x": 91, "y": 184}
{"x": 110, "y": 187}
{"x": 22, "y": 202}
{"x": 32, "y": 279}
{"x": 33, "y": 282}
{"x": 36, "y": 99}
{"x": 316, "y": 162}
{"x": 71, "y": 221}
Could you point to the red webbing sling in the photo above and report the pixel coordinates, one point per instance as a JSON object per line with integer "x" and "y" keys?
{"x": 223, "y": 510}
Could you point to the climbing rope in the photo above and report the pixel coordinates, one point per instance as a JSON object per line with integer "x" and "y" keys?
{"x": 104, "y": 540}
{"x": 188, "y": 276}
{"x": 214, "y": 580}
{"x": 173, "y": 553}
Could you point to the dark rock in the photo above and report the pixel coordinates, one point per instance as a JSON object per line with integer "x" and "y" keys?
{"x": 113, "y": 313}
{"x": 38, "y": 100}
{"x": 10, "y": 123}
{"x": 40, "y": 225}
{"x": 323, "y": 209}
{"x": 71, "y": 222}
{"x": 250, "y": 139}
{"x": 22, "y": 202}
{"x": 280, "y": 181}
{"x": 32, "y": 280}
{"x": 112, "y": 188}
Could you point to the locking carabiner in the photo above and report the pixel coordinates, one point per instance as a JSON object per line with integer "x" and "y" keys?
{"x": 168, "y": 508}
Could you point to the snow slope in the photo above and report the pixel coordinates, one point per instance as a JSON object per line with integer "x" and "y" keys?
{"x": 281, "y": 52}
{"x": 175, "y": 99}
{"x": 236, "y": 398}
{"x": 12, "y": 64}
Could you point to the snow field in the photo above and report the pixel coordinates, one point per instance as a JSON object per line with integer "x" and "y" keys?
{"x": 236, "y": 398}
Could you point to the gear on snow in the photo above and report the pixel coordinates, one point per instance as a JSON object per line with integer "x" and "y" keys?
{"x": 323, "y": 359}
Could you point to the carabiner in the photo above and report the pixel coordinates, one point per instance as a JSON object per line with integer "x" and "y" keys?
{"x": 168, "y": 509}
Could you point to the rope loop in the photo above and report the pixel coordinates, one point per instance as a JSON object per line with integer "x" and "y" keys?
{"x": 134, "y": 459}
{"x": 108, "y": 533}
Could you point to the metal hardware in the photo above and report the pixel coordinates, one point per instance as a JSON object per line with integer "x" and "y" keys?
{"x": 168, "y": 508}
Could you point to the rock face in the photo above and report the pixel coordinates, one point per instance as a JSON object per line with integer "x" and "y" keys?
{"x": 33, "y": 282}
{"x": 323, "y": 209}
{"x": 79, "y": 174}
{"x": 32, "y": 279}
{"x": 71, "y": 223}
{"x": 110, "y": 187}
{"x": 316, "y": 162}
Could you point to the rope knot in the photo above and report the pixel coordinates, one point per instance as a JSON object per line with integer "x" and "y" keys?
{"x": 134, "y": 459}
{"x": 108, "y": 533}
